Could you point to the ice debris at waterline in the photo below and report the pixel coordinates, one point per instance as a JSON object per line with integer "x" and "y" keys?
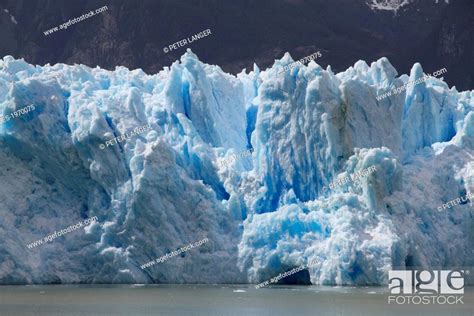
{"x": 264, "y": 213}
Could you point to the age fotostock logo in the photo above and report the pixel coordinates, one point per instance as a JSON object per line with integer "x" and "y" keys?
{"x": 426, "y": 287}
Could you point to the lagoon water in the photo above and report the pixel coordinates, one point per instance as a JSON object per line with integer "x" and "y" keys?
{"x": 212, "y": 300}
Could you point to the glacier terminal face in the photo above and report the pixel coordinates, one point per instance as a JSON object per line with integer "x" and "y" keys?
{"x": 269, "y": 165}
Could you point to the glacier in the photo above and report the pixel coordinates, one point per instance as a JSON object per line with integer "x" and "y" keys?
{"x": 264, "y": 213}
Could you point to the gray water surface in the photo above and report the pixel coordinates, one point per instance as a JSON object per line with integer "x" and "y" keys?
{"x": 210, "y": 300}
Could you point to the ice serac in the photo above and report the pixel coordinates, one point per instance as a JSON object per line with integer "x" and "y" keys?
{"x": 186, "y": 179}
{"x": 429, "y": 112}
{"x": 211, "y": 99}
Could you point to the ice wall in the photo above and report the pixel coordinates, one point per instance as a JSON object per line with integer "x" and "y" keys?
{"x": 180, "y": 181}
